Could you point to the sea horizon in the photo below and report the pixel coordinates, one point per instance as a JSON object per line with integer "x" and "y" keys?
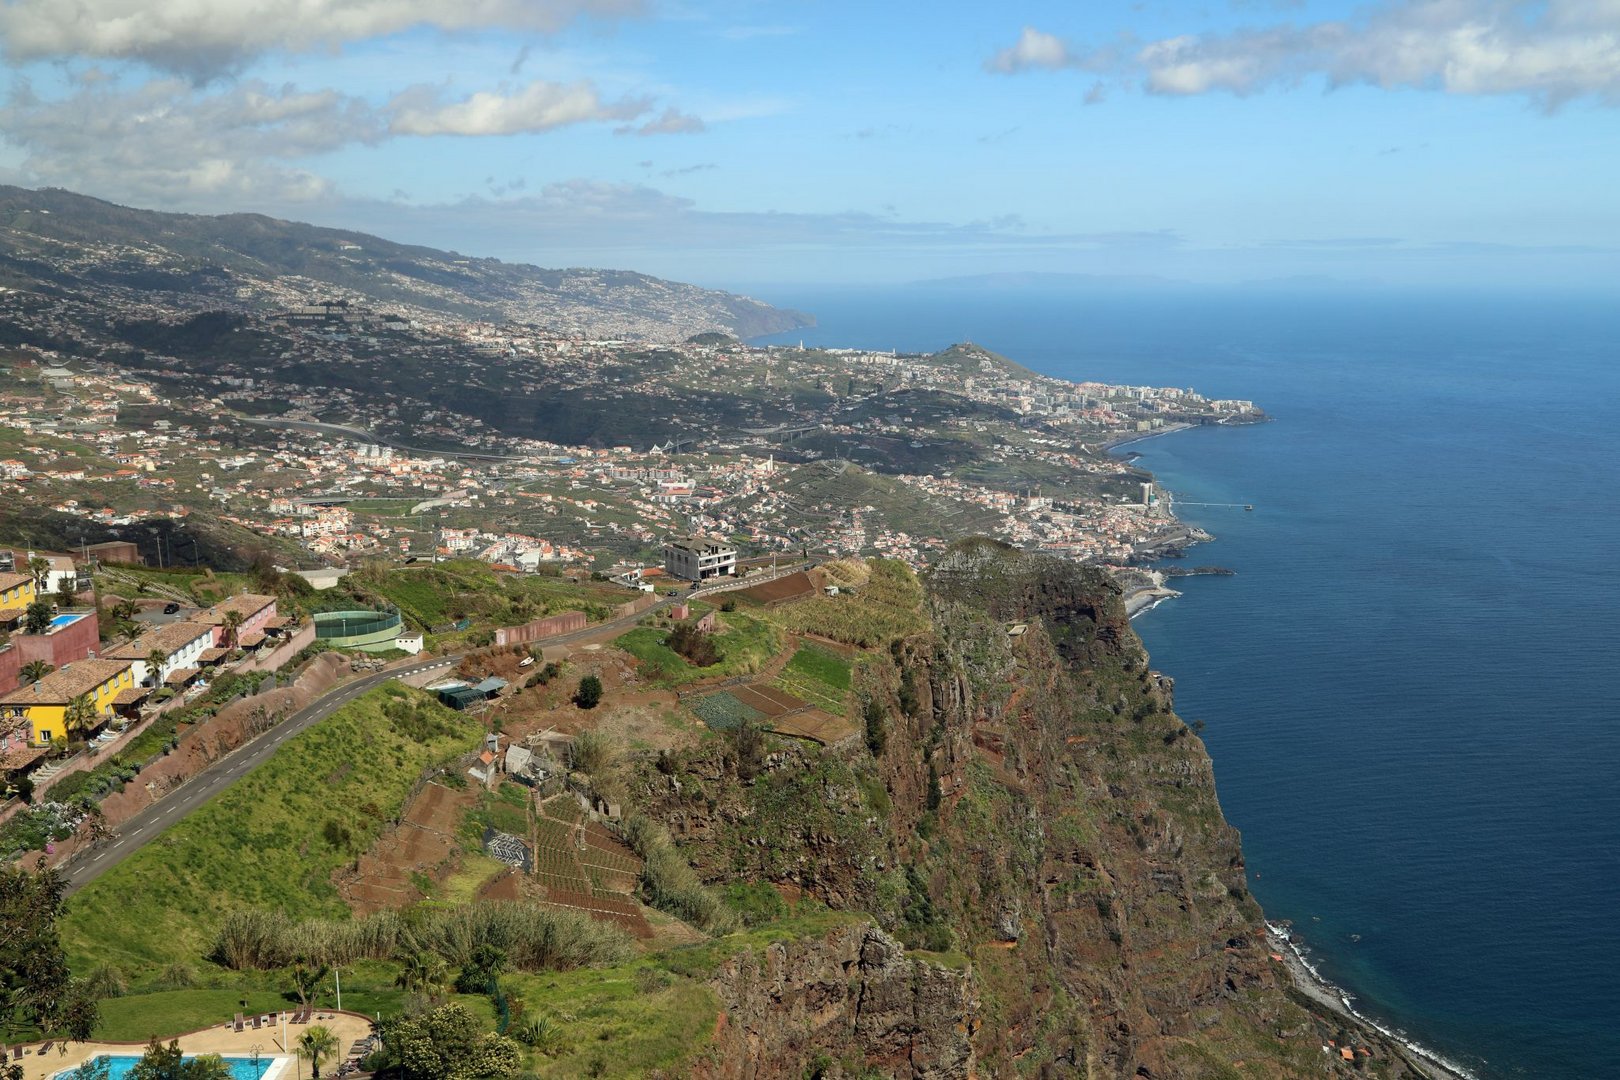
{"x": 1431, "y": 810}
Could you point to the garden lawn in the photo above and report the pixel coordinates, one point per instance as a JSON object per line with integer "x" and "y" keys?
{"x": 271, "y": 840}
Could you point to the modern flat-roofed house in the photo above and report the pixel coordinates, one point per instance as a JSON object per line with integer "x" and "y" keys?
{"x": 699, "y": 558}
{"x": 44, "y": 704}
{"x": 181, "y": 643}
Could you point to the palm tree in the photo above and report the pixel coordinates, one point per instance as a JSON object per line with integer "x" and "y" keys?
{"x": 232, "y": 621}
{"x": 124, "y": 610}
{"x": 39, "y": 568}
{"x": 35, "y": 670}
{"x": 129, "y": 631}
{"x": 81, "y": 714}
{"x": 154, "y": 663}
{"x": 420, "y": 972}
{"x": 317, "y": 1043}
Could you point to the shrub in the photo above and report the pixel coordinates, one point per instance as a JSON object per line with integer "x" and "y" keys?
{"x": 754, "y": 902}
{"x": 698, "y": 648}
{"x": 531, "y": 937}
{"x": 668, "y": 881}
{"x": 589, "y": 693}
{"x": 591, "y": 752}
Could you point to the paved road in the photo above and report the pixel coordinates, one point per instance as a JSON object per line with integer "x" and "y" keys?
{"x": 153, "y": 821}
{"x": 150, "y": 823}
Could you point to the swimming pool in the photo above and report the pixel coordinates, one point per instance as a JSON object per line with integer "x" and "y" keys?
{"x": 63, "y": 620}
{"x": 269, "y": 1067}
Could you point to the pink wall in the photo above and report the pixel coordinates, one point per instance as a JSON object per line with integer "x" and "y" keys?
{"x": 75, "y": 641}
{"x": 254, "y": 622}
{"x": 565, "y": 623}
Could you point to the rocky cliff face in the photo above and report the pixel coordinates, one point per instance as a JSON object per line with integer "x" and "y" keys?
{"x": 1037, "y": 814}
{"x": 850, "y": 1001}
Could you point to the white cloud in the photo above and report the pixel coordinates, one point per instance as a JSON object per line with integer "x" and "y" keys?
{"x": 1551, "y": 51}
{"x": 1034, "y": 49}
{"x": 165, "y": 142}
{"x": 670, "y": 122}
{"x": 539, "y": 106}
{"x": 202, "y": 38}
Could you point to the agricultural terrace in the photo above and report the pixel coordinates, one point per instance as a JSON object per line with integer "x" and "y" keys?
{"x": 270, "y": 841}
{"x": 878, "y": 601}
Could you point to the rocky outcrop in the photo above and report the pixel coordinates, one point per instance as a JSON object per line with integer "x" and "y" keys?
{"x": 1036, "y": 807}
{"x": 850, "y": 1001}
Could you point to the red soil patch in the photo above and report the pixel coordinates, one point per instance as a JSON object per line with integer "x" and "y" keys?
{"x": 422, "y": 843}
{"x": 781, "y": 591}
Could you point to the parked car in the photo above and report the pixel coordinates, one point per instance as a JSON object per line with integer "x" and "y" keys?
{"x": 170, "y": 608}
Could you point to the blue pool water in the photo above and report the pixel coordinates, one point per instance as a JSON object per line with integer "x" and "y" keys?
{"x": 63, "y": 620}
{"x": 1409, "y": 686}
{"x": 241, "y": 1068}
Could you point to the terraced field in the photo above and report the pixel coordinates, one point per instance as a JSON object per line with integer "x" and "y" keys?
{"x": 582, "y": 865}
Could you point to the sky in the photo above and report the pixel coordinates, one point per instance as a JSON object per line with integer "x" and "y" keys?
{"x": 1445, "y": 143}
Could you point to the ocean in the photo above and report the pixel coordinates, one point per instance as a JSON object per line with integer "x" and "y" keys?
{"x": 1409, "y": 687}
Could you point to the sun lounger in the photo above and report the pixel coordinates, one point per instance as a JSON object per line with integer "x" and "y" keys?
{"x": 17, "y": 1053}
{"x": 239, "y": 1023}
{"x": 46, "y": 1048}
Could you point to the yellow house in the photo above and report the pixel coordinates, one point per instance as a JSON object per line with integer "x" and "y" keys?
{"x": 45, "y": 704}
{"x": 16, "y": 591}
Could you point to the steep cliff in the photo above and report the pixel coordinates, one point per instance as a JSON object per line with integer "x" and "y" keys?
{"x": 1030, "y": 819}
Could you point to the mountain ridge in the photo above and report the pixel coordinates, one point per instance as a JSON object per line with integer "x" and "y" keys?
{"x": 56, "y": 238}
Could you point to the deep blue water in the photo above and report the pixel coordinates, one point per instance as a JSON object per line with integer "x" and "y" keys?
{"x": 1410, "y": 685}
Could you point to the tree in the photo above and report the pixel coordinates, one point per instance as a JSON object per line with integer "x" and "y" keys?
{"x": 479, "y": 973}
{"x": 129, "y": 630}
{"x": 125, "y": 611}
{"x": 589, "y": 693}
{"x": 154, "y": 662}
{"x": 37, "y": 991}
{"x": 315, "y": 1044}
{"x": 168, "y": 1063}
{"x": 35, "y": 670}
{"x": 448, "y": 1044}
{"x": 37, "y": 617}
{"x": 306, "y": 978}
{"x": 420, "y": 972}
{"x": 24, "y": 786}
{"x": 877, "y": 730}
{"x": 233, "y": 622}
{"x": 97, "y": 1068}
{"x": 67, "y": 593}
{"x": 39, "y": 568}
{"x": 81, "y": 715}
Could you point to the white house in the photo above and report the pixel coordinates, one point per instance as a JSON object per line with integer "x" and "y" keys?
{"x": 182, "y": 643}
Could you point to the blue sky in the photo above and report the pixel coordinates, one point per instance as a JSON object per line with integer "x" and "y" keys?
{"x": 1412, "y": 142}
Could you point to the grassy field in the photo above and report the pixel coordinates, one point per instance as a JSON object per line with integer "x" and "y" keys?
{"x": 745, "y": 645}
{"x": 442, "y": 593}
{"x": 271, "y": 840}
{"x": 818, "y": 676}
{"x": 628, "y": 1020}
{"x": 651, "y": 1014}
